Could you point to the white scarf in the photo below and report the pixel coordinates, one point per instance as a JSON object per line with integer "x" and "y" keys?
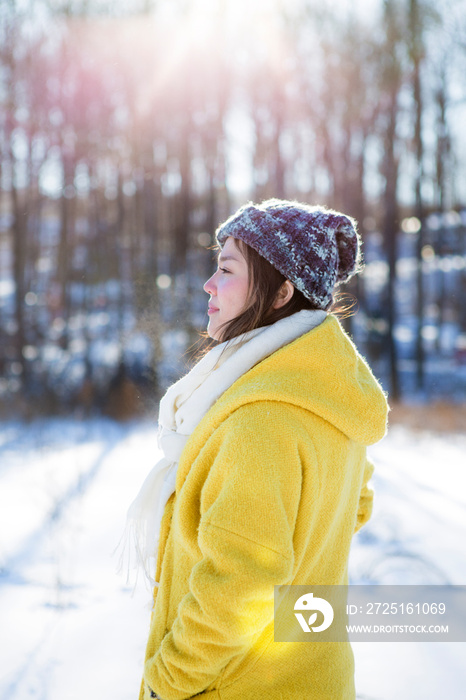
{"x": 185, "y": 404}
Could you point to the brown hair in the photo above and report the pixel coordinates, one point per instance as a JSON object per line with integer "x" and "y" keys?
{"x": 264, "y": 284}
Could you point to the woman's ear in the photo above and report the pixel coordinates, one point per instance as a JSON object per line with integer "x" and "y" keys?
{"x": 284, "y": 295}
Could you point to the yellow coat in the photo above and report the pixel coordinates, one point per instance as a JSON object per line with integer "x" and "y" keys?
{"x": 270, "y": 488}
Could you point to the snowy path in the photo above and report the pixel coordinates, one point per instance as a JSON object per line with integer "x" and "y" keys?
{"x": 417, "y": 536}
{"x": 70, "y": 628}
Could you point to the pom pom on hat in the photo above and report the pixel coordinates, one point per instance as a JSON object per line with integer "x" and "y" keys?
{"x": 313, "y": 247}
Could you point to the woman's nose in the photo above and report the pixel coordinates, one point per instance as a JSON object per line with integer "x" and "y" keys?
{"x": 209, "y": 286}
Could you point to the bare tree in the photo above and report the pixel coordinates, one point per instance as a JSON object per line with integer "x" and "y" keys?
{"x": 391, "y": 84}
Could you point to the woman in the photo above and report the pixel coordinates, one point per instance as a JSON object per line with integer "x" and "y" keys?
{"x": 264, "y": 476}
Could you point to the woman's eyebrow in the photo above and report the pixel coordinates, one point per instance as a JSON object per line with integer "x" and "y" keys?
{"x": 223, "y": 258}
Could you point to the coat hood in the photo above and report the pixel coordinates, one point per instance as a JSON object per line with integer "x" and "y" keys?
{"x": 322, "y": 372}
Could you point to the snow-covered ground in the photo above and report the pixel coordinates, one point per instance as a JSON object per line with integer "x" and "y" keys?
{"x": 71, "y": 628}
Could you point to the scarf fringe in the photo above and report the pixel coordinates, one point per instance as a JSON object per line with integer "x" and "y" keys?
{"x": 132, "y": 557}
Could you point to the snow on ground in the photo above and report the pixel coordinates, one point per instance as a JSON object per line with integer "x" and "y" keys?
{"x": 417, "y": 535}
{"x": 71, "y": 628}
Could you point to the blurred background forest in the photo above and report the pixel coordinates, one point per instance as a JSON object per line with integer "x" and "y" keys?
{"x": 130, "y": 129}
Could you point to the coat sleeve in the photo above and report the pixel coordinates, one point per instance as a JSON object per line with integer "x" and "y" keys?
{"x": 366, "y": 497}
{"x": 246, "y": 540}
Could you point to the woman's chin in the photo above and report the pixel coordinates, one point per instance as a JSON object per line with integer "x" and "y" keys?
{"x": 212, "y": 331}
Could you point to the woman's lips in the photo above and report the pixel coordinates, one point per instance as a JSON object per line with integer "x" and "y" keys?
{"x": 212, "y": 310}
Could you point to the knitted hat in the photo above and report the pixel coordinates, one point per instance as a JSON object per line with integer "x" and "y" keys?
{"x": 313, "y": 247}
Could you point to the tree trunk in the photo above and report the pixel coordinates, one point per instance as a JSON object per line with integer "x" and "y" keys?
{"x": 19, "y": 235}
{"x": 390, "y": 230}
{"x": 416, "y": 57}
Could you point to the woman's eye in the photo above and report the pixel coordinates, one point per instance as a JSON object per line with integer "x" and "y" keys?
{"x": 224, "y": 270}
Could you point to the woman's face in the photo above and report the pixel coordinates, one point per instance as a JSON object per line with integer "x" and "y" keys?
{"x": 228, "y": 288}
